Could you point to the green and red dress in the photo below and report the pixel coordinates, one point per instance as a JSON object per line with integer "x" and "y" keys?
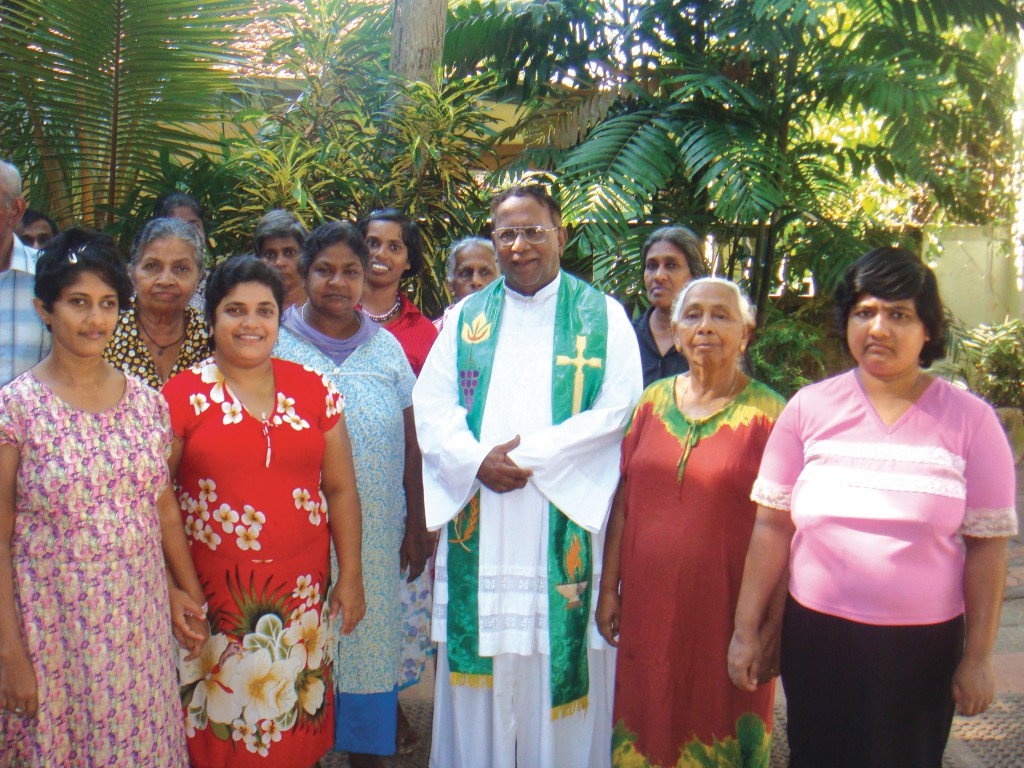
{"x": 688, "y": 523}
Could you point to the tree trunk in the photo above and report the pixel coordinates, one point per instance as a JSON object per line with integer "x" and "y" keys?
{"x": 417, "y": 38}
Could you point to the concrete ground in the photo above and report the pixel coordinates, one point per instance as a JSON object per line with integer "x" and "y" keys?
{"x": 992, "y": 740}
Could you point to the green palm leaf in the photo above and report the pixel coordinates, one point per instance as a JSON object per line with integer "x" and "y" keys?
{"x": 104, "y": 86}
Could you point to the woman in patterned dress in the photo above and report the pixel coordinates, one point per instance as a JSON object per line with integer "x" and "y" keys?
{"x": 368, "y": 366}
{"x": 158, "y": 334}
{"x": 675, "y": 547}
{"x": 260, "y": 453}
{"x": 396, "y": 253}
{"x": 87, "y": 521}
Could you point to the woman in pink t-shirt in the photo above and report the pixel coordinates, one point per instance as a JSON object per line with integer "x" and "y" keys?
{"x": 887, "y": 495}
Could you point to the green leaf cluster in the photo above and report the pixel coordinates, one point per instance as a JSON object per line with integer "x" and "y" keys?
{"x": 796, "y": 134}
{"x": 94, "y": 94}
{"x": 989, "y": 359}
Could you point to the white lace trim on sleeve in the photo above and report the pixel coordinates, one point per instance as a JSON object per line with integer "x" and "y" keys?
{"x": 769, "y": 494}
{"x": 989, "y": 523}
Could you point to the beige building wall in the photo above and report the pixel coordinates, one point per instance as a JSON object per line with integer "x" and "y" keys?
{"x": 980, "y": 278}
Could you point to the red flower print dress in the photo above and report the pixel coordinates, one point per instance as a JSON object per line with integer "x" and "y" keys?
{"x": 249, "y": 490}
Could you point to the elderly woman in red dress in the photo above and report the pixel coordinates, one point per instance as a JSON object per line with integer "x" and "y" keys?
{"x": 675, "y": 546}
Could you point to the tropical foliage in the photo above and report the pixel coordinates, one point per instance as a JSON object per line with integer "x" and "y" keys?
{"x": 792, "y": 133}
{"x": 93, "y": 94}
{"x": 754, "y": 121}
{"x": 354, "y": 137}
{"x": 989, "y": 359}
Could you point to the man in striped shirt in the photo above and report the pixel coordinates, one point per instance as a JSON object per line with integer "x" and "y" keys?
{"x": 24, "y": 340}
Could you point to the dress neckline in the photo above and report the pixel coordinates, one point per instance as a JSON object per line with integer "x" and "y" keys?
{"x": 71, "y": 407}
{"x": 904, "y": 417}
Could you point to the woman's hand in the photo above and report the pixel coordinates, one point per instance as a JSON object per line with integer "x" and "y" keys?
{"x": 609, "y": 608}
{"x": 349, "y": 600}
{"x": 974, "y": 685}
{"x": 18, "y": 691}
{"x": 745, "y": 661}
{"x": 414, "y": 553}
{"x": 769, "y": 639}
{"x": 188, "y": 621}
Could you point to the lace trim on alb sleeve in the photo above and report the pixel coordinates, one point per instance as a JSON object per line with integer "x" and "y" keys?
{"x": 773, "y": 495}
{"x": 989, "y": 523}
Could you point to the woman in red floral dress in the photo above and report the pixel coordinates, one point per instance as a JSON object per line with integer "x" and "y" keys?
{"x": 253, "y": 436}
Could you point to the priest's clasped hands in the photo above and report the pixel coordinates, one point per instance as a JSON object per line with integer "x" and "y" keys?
{"x": 499, "y": 473}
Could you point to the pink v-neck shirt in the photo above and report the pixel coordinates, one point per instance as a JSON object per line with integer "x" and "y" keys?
{"x": 880, "y": 511}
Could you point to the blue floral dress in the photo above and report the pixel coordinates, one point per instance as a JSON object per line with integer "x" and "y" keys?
{"x": 376, "y": 382}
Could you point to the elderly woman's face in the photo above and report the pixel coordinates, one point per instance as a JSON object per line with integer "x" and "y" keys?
{"x": 165, "y": 276}
{"x": 666, "y": 271}
{"x": 476, "y": 267}
{"x": 885, "y": 337}
{"x": 711, "y": 330}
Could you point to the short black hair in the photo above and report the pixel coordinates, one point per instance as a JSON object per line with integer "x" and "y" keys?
{"x": 411, "y": 235}
{"x": 278, "y": 223}
{"x": 167, "y": 203}
{"x": 235, "y": 271}
{"x": 683, "y": 238}
{"x": 74, "y": 252}
{"x": 31, "y": 216}
{"x": 537, "y": 191}
{"x": 331, "y": 233}
{"x": 893, "y": 274}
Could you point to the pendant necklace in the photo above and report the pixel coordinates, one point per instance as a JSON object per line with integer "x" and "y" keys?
{"x": 160, "y": 348}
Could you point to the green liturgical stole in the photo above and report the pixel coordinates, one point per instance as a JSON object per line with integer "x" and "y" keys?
{"x": 577, "y": 371}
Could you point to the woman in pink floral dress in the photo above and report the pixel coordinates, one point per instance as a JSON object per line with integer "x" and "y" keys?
{"x": 87, "y": 520}
{"x": 253, "y": 436}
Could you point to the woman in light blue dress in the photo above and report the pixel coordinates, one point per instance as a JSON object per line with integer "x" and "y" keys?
{"x": 367, "y": 365}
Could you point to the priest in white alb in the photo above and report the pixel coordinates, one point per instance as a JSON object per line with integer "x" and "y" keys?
{"x": 520, "y": 410}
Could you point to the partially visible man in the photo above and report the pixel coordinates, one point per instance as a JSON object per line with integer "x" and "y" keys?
{"x": 35, "y": 229}
{"x": 24, "y": 340}
{"x": 520, "y": 410}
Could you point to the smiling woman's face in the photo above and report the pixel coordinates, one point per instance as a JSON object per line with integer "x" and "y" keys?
{"x": 245, "y": 325}
{"x": 389, "y": 256}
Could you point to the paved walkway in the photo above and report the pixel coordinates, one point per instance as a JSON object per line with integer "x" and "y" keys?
{"x": 992, "y": 740}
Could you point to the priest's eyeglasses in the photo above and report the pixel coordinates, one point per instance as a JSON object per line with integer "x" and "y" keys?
{"x": 534, "y": 235}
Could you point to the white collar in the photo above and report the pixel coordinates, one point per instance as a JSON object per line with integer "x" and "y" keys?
{"x": 23, "y": 258}
{"x": 549, "y": 290}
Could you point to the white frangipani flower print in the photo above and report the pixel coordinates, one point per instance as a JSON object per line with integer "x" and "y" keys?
{"x": 226, "y": 516}
{"x": 266, "y": 687}
{"x": 207, "y": 490}
{"x": 211, "y": 374}
{"x": 232, "y": 412}
{"x": 252, "y": 517}
{"x": 308, "y": 637}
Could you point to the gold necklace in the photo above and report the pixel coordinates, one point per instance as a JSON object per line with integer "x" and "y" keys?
{"x": 727, "y": 396}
